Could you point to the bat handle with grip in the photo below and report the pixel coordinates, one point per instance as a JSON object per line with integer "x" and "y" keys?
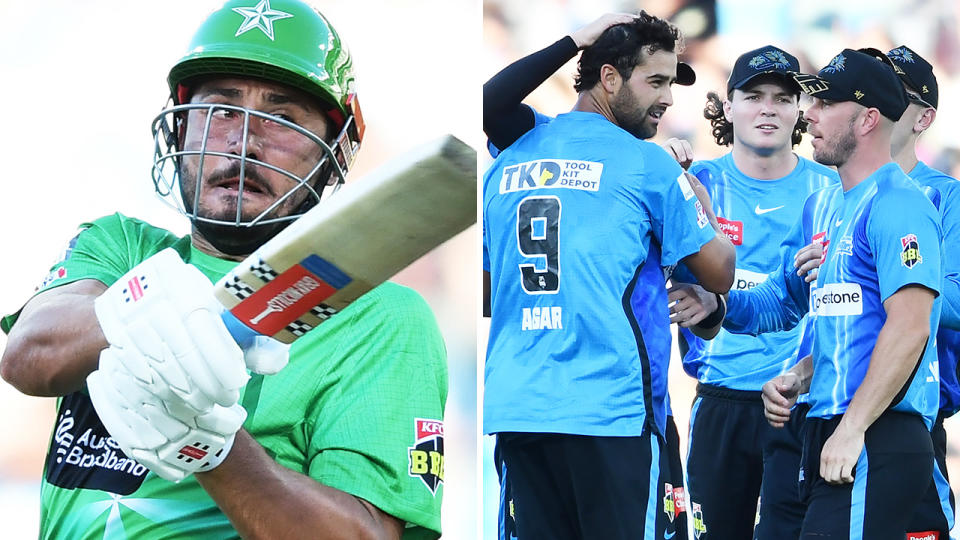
{"x": 242, "y": 334}
{"x": 262, "y": 354}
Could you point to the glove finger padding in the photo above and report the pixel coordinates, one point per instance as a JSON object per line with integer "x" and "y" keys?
{"x": 165, "y": 435}
{"x": 118, "y": 415}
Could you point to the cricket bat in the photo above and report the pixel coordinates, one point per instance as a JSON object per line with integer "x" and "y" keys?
{"x": 352, "y": 242}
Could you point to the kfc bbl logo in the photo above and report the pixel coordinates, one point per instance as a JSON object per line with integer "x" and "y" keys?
{"x": 910, "y": 256}
{"x": 699, "y": 528}
{"x": 426, "y": 454}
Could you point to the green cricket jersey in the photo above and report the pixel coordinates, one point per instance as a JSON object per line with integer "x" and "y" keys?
{"x": 358, "y": 408}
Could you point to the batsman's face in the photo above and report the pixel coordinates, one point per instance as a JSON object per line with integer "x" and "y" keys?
{"x": 763, "y": 116}
{"x": 831, "y": 125}
{"x": 642, "y": 99}
{"x": 267, "y": 141}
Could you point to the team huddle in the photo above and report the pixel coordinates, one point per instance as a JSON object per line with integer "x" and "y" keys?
{"x": 815, "y": 306}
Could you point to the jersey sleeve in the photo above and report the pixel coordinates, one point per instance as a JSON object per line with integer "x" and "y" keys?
{"x": 678, "y": 220}
{"x": 950, "y": 223}
{"x": 376, "y": 428}
{"x": 780, "y": 302}
{"x": 905, "y": 251}
{"x": 103, "y": 250}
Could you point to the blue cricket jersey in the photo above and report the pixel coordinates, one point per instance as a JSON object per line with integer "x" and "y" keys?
{"x": 944, "y": 191}
{"x": 756, "y": 215}
{"x": 879, "y": 236}
{"x": 578, "y": 219}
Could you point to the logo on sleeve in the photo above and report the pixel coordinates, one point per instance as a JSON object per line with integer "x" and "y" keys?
{"x": 59, "y": 271}
{"x": 552, "y": 173}
{"x": 685, "y": 186}
{"x": 426, "y": 454}
{"x": 702, "y": 218}
{"x": 910, "y": 256}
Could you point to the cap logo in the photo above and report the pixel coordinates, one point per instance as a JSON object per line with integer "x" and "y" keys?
{"x": 769, "y": 60}
{"x": 837, "y": 64}
{"x": 925, "y": 90}
{"x": 261, "y": 17}
{"x": 857, "y": 94}
{"x": 901, "y": 55}
{"x": 809, "y": 84}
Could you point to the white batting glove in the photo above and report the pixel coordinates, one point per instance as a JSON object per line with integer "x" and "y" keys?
{"x": 165, "y": 435}
{"x": 164, "y": 309}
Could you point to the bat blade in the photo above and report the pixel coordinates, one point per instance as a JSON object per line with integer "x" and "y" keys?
{"x": 352, "y": 242}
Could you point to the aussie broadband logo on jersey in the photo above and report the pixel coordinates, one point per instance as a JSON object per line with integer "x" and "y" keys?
{"x": 426, "y": 454}
{"x": 837, "y": 300}
{"x": 552, "y": 173}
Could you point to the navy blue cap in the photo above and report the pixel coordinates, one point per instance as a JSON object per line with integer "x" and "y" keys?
{"x": 685, "y": 74}
{"x": 916, "y": 72}
{"x": 766, "y": 59}
{"x": 859, "y": 77}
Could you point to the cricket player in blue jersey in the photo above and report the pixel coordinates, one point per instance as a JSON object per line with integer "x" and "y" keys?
{"x": 757, "y": 192}
{"x": 580, "y": 217}
{"x": 872, "y": 376}
{"x": 938, "y": 506}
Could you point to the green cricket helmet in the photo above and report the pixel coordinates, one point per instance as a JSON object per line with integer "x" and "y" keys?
{"x": 283, "y": 41}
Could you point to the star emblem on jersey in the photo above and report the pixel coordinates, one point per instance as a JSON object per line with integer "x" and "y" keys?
{"x": 261, "y": 17}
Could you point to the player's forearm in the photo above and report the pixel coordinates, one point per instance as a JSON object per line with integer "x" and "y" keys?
{"x": 768, "y": 307}
{"x": 505, "y": 119}
{"x": 899, "y": 345}
{"x": 56, "y": 341}
{"x": 263, "y": 499}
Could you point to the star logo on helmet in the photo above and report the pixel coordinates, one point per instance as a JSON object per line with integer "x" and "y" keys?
{"x": 261, "y": 16}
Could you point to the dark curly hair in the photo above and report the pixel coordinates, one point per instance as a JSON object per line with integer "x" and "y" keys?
{"x": 621, "y": 46}
{"x": 722, "y": 129}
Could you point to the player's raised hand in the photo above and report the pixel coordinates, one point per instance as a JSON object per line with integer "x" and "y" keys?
{"x": 587, "y": 35}
{"x": 807, "y": 261}
{"x": 779, "y": 395}
{"x": 164, "y": 309}
{"x": 840, "y": 453}
{"x": 680, "y": 150}
{"x": 165, "y": 434}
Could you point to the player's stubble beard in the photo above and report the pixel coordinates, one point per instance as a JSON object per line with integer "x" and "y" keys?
{"x": 235, "y": 240}
{"x": 627, "y": 111}
{"x": 837, "y": 152}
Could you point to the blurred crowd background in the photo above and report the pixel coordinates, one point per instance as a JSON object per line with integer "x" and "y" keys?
{"x": 82, "y": 82}
{"x": 716, "y": 33}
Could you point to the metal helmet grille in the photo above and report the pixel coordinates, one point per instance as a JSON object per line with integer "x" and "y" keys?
{"x": 167, "y": 172}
